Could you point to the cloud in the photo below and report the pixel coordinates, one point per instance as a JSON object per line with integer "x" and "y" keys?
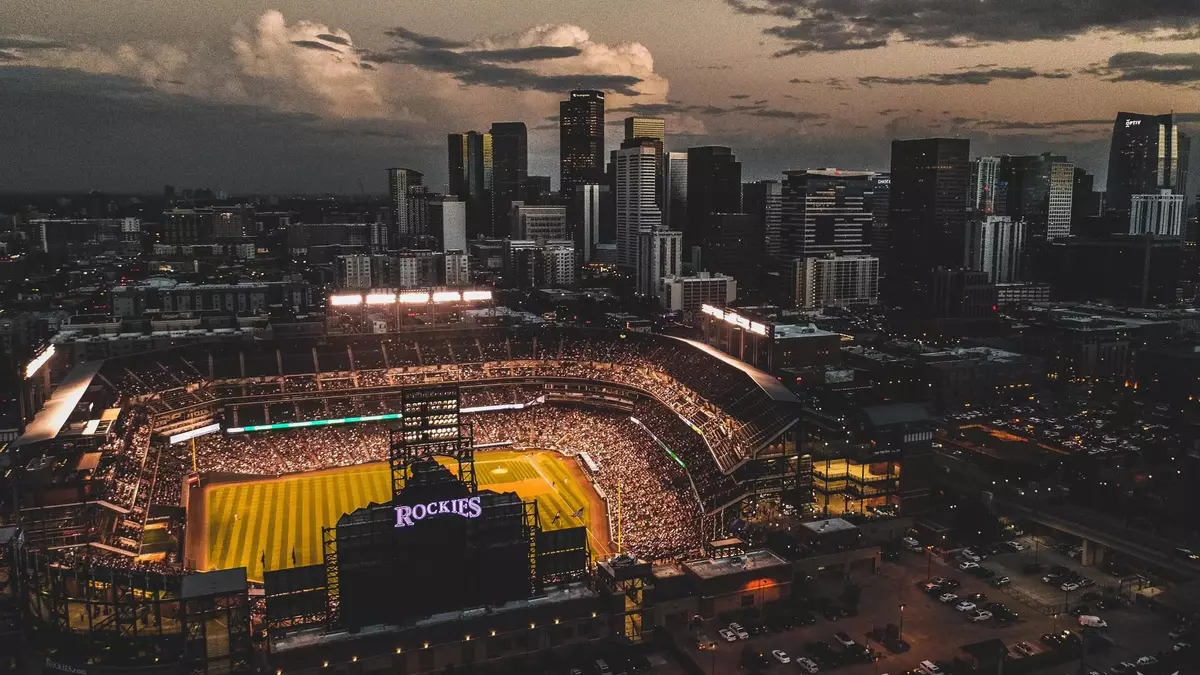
{"x": 963, "y": 77}
{"x": 314, "y": 44}
{"x": 547, "y": 58}
{"x": 29, "y": 42}
{"x": 1175, "y": 68}
{"x": 739, "y": 97}
{"x": 845, "y": 25}
{"x": 832, "y": 82}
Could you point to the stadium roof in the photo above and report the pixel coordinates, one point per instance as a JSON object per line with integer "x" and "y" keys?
{"x": 50, "y": 419}
{"x": 773, "y": 387}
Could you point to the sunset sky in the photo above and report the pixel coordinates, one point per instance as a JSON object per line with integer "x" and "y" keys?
{"x": 313, "y": 95}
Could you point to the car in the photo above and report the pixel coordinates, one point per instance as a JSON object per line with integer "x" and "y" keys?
{"x": 967, "y": 566}
{"x": 947, "y": 598}
{"x": 968, "y": 554}
{"x": 1123, "y": 668}
{"x": 1053, "y": 639}
{"x": 1069, "y": 638}
{"x": 1084, "y": 582}
{"x": 1182, "y": 647}
{"x": 704, "y": 643}
{"x": 1069, "y": 586}
{"x": 844, "y": 639}
{"x": 576, "y": 671}
{"x": 1088, "y": 621}
{"x": 976, "y": 597}
{"x": 781, "y": 656}
{"x": 739, "y": 631}
{"x": 1015, "y": 545}
{"x": 1052, "y": 578}
{"x": 930, "y": 668}
{"x": 1002, "y": 581}
{"x": 979, "y": 615}
{"x": 965, "y": 606}
{"x": 1178, "y": 632}
{"x": 948, "y": 583}
{"x": 931, "y": 588}
{"x": 1145, "y": 661}
{"x": 1025, "y": 648}
{"x": 807, "y": 665}
{"x": 727, "y": 635}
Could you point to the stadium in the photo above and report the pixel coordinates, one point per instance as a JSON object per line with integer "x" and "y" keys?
{"x": 252, "y": 463}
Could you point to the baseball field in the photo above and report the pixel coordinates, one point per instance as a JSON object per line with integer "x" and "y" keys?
{"x": 279, "y": 520}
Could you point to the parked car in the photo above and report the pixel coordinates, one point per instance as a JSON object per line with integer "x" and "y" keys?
{"x": 1015, "y": 545}
{"x": 807, "y": 665}
{"x": 979, "y": 615}
{"x": 844, "y": 638}
{"x": 967, "y": 566}
{"x": 947, "y": 598}
{"x": 739, "y": 631}
{"x": 1025, "y": 648}
{"x": 968, "y": 554}
{"x": 727, "y": 635}
{"x": 1002, "y": 581}
{"x": 1069, "y": 586}
{"x": 965, "y": 606}
{"x": 976, "y": 597}
{"x": 1123, "y": 668}
{"x": 1092, "y": 621}
{"x": 1145, "y": 661}
{"x": 781, "y": 656}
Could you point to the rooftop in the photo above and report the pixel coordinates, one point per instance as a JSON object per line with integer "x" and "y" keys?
{"x": 734, "y": 564}
{"x": 795, "y": 330}
{"x": 773, "y": 387}
{"x": 829, "y": 526}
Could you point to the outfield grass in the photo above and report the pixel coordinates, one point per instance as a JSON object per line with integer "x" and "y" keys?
{"x": 273, "y": 517}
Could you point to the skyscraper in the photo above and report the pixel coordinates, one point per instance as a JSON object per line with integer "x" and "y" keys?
{"x": 995, "y": 245}
{"x": 825, "y": 211}
{"x": 927, "y": 215}
{"x": 660, "y": 255}
{"x": 469, "y": 163}
{"x": 881, "y": 194}
{"x": 675, "y": 213}
{"x": 637, "y": 212}
{"x": 1038, "y": 189}
{"x": 590, "y": 206}
{"x": 1160, "y": 214}
{"x": 581, "y": 139}
{"x": 406, "y": 192}
{"x": 1149, "y": 153}
{"x": 510, "y": 169}
{"x": 714, "y": 180}
{"x": 764, "y": 200}
{"x": 646, "y": 127}
{"x": 981, "y": 194}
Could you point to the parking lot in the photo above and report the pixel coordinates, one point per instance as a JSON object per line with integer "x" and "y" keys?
{"x": 935, "y": 631}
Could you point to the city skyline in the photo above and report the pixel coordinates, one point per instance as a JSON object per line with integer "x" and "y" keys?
{"x": 313, "y": 97}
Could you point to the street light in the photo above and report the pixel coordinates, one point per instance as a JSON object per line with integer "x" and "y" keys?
{"x": 901, "y": 635}
{"x": 928, "y": 563}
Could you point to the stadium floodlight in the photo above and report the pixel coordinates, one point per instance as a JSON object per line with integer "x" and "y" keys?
{"x": 414, "y": 298}
{"x": 381, "y": 298}
{"x": 38, "y": 361}
{"x": 314, "y": 423}
{"x": 194, "y": 433}
{"x": 345, "y": 300}
{"x": 447, "y": 296}
{"x": 476, "y": 296}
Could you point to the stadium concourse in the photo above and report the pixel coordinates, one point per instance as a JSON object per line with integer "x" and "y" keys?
{"x": 665, "y": 423}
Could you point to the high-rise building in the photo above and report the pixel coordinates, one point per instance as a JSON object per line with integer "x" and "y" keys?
{"x": 1149, "y": 153}
{"x": 539, "y": 223}
{"x": 995, "y": 245}
{"x": 636, "y": 209}
{"x": 764, "y": 200}
{"x": 581, "y": 140}
{"x": 1087, "y": 205}
{"x": 1159, "y": 214}
{"x": 538, "y": 192}
{"x": 360, "y": 271}
{"x": 675, "y": 212}
{"x": 558, "y": 263}
{"x": 688, "y": 294}
{"x": 453, "y": 225}
{"x": 660, "y": 255}
{"x": 1038, "y": 189}
{"x": 825, "y": 211}
{"x": 646, "y": 127}
{"x": 881, "y": 194}
{"x": 738, "y": 249}
{"x": 927, "y": 215}
{"x": 981, "y": 194}
{"x": 470, "y": 177}
{"x": 590, "y": 206}
{"x": 714, "y": 185}
{"x": 833, "y": 280}
{"x": 408, "y": 199}
{"x": 457, "y": 269}
{"x": 510, "y": 169}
